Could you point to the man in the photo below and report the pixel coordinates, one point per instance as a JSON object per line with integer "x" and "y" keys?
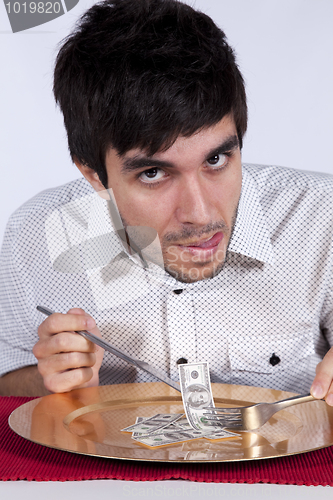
{"x": 240, "y": 274}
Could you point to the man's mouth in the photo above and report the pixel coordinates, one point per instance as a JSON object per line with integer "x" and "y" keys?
{"x": 209, "y": 244}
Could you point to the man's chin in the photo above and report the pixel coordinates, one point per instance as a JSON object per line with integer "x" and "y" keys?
{"x": 194, "y": 274}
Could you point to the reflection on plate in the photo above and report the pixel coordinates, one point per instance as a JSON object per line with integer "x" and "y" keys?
{"x": 88, "y": 421}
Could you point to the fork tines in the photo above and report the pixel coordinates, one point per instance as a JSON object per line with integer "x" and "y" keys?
{"x": 227, "y": 417}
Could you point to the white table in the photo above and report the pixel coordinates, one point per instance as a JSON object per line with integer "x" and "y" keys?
{"x": 157, "y": 490}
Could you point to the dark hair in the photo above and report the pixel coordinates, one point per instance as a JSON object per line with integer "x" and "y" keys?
{"x": 140, "y": 73}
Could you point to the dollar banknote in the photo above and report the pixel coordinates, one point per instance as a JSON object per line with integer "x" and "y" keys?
{"x": 153, "y": 424}
{"x": 168, "y": 438}
{"x": 222, "y": 434}
{"x": 169, "y": 429}
{"x": 136, "y": 434}
{"x": 177, "y": 432}
{"x": 172, "y": 427}
{"x": 197, "y": 394}
{"x": 211, "y": 434}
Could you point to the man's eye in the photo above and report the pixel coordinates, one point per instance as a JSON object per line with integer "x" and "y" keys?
{"x": 217, "y": 160}
{"x": 152, "y": 175}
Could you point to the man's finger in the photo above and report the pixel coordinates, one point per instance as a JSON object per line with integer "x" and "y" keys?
{"x": 329, "y": 396}
{"x": 322, "y": 384}
{"x": 63, "y": 342}
{"x": 68, "y": 380}
{"x": 58, "y": 322}
{"x": 66, "y": 361}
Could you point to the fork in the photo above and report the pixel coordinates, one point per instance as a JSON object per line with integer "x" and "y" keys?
{"x": 252, "y": 417}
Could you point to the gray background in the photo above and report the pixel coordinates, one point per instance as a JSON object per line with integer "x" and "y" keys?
{"x": 284, "y": 48}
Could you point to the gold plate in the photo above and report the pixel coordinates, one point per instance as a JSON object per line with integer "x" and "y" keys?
{"x": 88, "y": 421}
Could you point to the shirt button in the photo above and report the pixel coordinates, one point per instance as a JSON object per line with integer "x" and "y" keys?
{"x": 181, "y": 361}
{"x": 274, "y": 359}
{"x": 178, "y": 291}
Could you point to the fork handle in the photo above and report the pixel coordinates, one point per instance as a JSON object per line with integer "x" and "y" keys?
{"x": 295, "y": 400}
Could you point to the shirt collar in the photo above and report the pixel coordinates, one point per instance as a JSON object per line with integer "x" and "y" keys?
{"x": 251, "y": 235}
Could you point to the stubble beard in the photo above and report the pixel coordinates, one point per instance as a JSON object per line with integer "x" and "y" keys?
{"x": 199, "y": 271}
{"x": 191, "y": 276}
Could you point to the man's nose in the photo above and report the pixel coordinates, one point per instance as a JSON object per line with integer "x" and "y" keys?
{"x": 194, "y": 202}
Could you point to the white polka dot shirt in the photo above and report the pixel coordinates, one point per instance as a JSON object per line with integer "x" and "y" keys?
{"x": 265, "y": 320}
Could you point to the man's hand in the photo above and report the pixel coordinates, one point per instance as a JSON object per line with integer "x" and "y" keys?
{"x": 322, "y": 386}
{"x": 66, "y": 360}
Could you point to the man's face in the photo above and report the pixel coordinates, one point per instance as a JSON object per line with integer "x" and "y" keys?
{"x": 188, "y": 194}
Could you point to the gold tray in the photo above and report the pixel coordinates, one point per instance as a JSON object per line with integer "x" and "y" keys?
{"x": 88, "y": 421}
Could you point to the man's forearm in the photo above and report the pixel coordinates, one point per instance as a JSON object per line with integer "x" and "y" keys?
{"x": 26, "y": 381}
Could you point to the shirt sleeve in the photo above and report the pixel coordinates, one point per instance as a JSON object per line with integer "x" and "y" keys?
{"x": 326, "y": 320}
{"x": 27, "y": 277}
{"x": 18, "y": 331}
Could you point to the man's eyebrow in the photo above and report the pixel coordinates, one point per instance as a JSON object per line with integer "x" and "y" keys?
{"x": 139, "y": 162}
{"x": 227, "y": 145}
{"x": 145, "y": 162}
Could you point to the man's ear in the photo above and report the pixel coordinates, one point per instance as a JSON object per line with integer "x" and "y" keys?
{"x": 90, "y": 175}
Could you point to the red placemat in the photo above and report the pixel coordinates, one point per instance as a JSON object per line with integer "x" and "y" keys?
{"x": 21, "y": 459}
